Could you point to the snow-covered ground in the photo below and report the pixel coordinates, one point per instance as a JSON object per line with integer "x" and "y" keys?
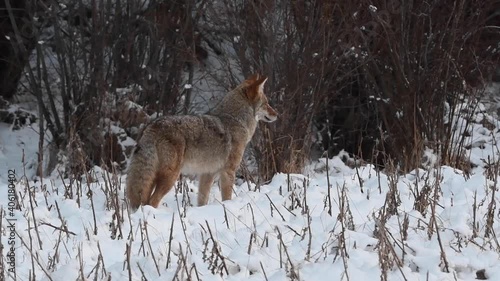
{"x": 332, "y": 223}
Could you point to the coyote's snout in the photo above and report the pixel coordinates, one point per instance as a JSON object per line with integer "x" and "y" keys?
{"x": 206, "y": 145}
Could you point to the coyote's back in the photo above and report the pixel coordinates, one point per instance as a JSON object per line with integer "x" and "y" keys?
{"x": 206, "y": 145}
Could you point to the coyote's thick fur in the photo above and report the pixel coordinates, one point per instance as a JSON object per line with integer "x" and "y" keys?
{"x": 205, "y": 145}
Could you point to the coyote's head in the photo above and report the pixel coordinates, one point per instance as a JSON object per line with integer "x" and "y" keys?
{"x": 254, "y": 91}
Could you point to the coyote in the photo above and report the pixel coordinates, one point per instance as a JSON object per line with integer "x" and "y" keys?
{"x": 205, "y": 145}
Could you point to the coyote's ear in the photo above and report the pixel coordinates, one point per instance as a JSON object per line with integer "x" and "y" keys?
{"x": 260, "y": 84}
{"x": 253, "y": 78}
{"x": 255, "y": 89}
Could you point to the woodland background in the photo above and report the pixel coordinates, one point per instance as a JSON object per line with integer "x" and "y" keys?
{"x": 378, "y": 79}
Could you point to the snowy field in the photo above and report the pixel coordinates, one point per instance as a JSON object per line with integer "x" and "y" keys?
{"x": 331, "y": 223}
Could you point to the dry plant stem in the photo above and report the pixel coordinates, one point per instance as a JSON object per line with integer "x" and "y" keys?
{"x": 80, "y": 262}
{"x": 142, "y": 247}
{"x": 274, "y": 207}
{"x": 78, "y": 192}
{"x": 393, "y": 199}
{"x": 253, "y": 216}
{"x": 225, "y": 216}
{"x": 490, "y": 216}
{"x": 271, "y": 148}
{"x": 90, "y": 194}
{"x": 341, "y": 236}
{"x": 433, "y": 222}
{"x": 130, "y": 233}
{"x": 309, "y": 241}
{"x": 61, "y": 228}
{"x": 143, "y": 274}
{"x": 46, "y": 193}
{"x": 63, "y": 222}
{"x": 68, "y": 191}
{"x": 293, "y": 273}
{"x": 196, "y": 271}
{"x": 360, "y": 180}
{"x": 475, "y": 225}
{"x": 305, "y": 208}
{"x": 31, "y": 195}
{"x": 384, "y": 257}
{"x": 113, "y": 199}
{"x": 444, "y": 260}
{"x": 216, "y": 250}
{"x": 386, "y": 252}
{"x": 288, "y": 182}
{"x": 263, "y": 271}
{"x": 34, "y": 256}
{"x": 184, "y": 228}
{"x": 293, "y": 230}
{"x": 181, "y": 267}
{"x": 102, "y": 259}
{"x": 250, "y": 242}
{"x": 423, "y": 197}
{"x": 379, "y": 183}
{"x": 248, "y": 177}
{"x": 41, "y": 135}
{"x": 127, "y": 260}
{"x": 492, "y": 174}
{"x": 404, "y": 230}
{"x": 177, "y": 270}
{"x": 183, "y": 257}
{"x": 329, "y": 186}
{"x": 183, "y": 189}
{"x": 399, "y": 262}
{"x": 170, "y": 239}
{"x": 151, "y": 248}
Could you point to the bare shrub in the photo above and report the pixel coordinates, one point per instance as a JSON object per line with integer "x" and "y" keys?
{"x": 414, "y": 64}
{"x": 381, "y": 81}
{"x": 88, "y": 52}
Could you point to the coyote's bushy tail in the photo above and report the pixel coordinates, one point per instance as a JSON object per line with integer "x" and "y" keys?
{"x": 141, "y": 176}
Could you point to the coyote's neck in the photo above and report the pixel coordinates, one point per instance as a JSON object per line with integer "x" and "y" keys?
{"x": 235, "y": 111}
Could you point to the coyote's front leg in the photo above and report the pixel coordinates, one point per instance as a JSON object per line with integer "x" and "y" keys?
{"x": 226, "y": 183}
{"x": 206, "y": 181}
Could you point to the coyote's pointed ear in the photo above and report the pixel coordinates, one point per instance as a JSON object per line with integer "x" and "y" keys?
{"x": 255, "y": 89}
{"x": 261, "y": 83}
{"x": 250, "y": 80}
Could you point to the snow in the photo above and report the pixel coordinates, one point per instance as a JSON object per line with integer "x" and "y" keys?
{"x": 14, "y": 144}
{"x": 334, "y": 222}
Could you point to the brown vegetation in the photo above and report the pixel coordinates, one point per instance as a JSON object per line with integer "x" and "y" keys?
{"x": 378, "y": 79}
